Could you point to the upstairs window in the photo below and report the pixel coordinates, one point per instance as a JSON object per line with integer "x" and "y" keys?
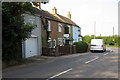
{"x": 67, "y": 29}
{"x": 59, "y": 27}
{"x": 49, "y": 26}
{"x": 78, "y": 29}
{"x": 31, "y": 20}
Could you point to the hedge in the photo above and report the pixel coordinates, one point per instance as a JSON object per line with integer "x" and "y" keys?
{"x": 81, "y": 46}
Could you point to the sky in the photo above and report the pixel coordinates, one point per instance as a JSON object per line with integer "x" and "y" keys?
{"x": 86, "y": 13}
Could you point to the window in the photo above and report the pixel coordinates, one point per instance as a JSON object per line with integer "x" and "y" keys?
{"x": 49, "y": 26}
{"x": 50, "y": 43}
{"x": 66, "y": 30}
{"x": 59, "y": 27}
{"x": 32, "y": 20}
{"x": 60, "y": 41}
{"x": 54, "y": 43}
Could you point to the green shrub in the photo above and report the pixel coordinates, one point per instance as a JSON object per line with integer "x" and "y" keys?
{"x": 81, "y": 46}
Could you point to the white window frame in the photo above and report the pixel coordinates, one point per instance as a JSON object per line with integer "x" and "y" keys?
{"x": 49, "y": 26}
{"x": 69, "y": 28}
{"x": 50, "y": 40}
{"x": 60, "y": 41}
{"x": 59, "y": 27}
{"x": 54, "y": 41}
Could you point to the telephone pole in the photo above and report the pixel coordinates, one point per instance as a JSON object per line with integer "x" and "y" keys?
{"x": 113, "y": 31}
{"x": 113, "y": 34}
{"x": 94, "y": 29}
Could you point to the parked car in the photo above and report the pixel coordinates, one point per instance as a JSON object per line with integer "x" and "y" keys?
{"x": 97, "y": 45}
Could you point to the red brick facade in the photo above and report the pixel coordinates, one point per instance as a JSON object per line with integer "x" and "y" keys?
{"x": 54, "y": 34}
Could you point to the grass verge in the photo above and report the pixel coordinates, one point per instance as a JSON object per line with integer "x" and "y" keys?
{"x": 15, "y": 63}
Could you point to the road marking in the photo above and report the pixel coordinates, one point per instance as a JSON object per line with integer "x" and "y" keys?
{"x": 106, "y": 54}
{"x": 91, "y": 60}
{"x": 59, "y": 74}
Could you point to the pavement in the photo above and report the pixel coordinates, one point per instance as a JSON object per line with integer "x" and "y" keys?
{"x": 41, "y": 60}
{"x": 114, "y": 49}
{"x": 33, "y": 60}
{"x": 88, "y": 65}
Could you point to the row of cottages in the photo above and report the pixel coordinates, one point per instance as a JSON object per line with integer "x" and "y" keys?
{"x": 52, "y": 30}
{"x": 61, "y": 30}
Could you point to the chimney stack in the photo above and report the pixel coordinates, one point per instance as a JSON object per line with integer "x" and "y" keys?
{"x": 54, "y": 10}
{"x": 69, "y": 15}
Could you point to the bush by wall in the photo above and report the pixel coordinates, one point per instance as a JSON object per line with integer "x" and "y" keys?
{"x": 81, "y": 46}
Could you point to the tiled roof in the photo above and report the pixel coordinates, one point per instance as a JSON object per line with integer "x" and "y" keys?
{"x": 46, "y": 14}
{"x": 65, "y": 20}
{"x": 55, "y": 17}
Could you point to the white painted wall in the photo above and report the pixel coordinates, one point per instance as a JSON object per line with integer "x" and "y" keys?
{"x": 36, "y": 32}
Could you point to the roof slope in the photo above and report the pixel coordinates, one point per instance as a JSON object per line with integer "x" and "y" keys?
{"x": 66, "y": 20}
{"x": 46, "y": 14}
{"x": 55, "y": 17}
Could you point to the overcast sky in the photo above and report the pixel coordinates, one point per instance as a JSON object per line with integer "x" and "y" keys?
{"x": 86, "y": 12}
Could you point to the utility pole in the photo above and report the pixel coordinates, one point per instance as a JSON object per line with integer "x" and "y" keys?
{"x": 113, "y": 31}
{"x": 94, "y": 29}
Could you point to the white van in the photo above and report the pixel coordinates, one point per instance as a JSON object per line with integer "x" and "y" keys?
{"x": 97, "y": 45}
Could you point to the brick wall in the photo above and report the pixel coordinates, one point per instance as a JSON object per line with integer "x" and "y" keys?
{"x": 54, "y": 34}
{"x": 60, "y": 50}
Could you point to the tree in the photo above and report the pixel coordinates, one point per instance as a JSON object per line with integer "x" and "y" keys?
{"x": 87, "y": 39}
{"x": 14, "y": 29}
{"x": 92, "y": 36}
{"x": 118, "y": 42}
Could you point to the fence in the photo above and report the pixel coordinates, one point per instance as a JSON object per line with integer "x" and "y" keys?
{"x": 59, "y": 50}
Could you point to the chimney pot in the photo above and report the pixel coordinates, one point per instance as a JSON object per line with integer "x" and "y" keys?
{"x": 54, "y": 10}
{"x": 69, "y": 15}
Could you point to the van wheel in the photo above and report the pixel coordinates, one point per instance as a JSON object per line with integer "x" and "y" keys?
{"x": 92, "y": 51}
{"x": 105, "y": 50}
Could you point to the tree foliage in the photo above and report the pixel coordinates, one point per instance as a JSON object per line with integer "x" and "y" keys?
{"x": 114, "y": 40}
{"x": 87, "y": 39}
{"x": 14, "y": 29}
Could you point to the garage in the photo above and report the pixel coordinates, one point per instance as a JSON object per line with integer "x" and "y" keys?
{"x": 31, "y": 47}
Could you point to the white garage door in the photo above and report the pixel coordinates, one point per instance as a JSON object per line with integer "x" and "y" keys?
{"x": 31, "y": 47}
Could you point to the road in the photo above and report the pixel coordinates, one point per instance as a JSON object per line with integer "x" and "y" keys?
{"x": 89, "y": 65}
